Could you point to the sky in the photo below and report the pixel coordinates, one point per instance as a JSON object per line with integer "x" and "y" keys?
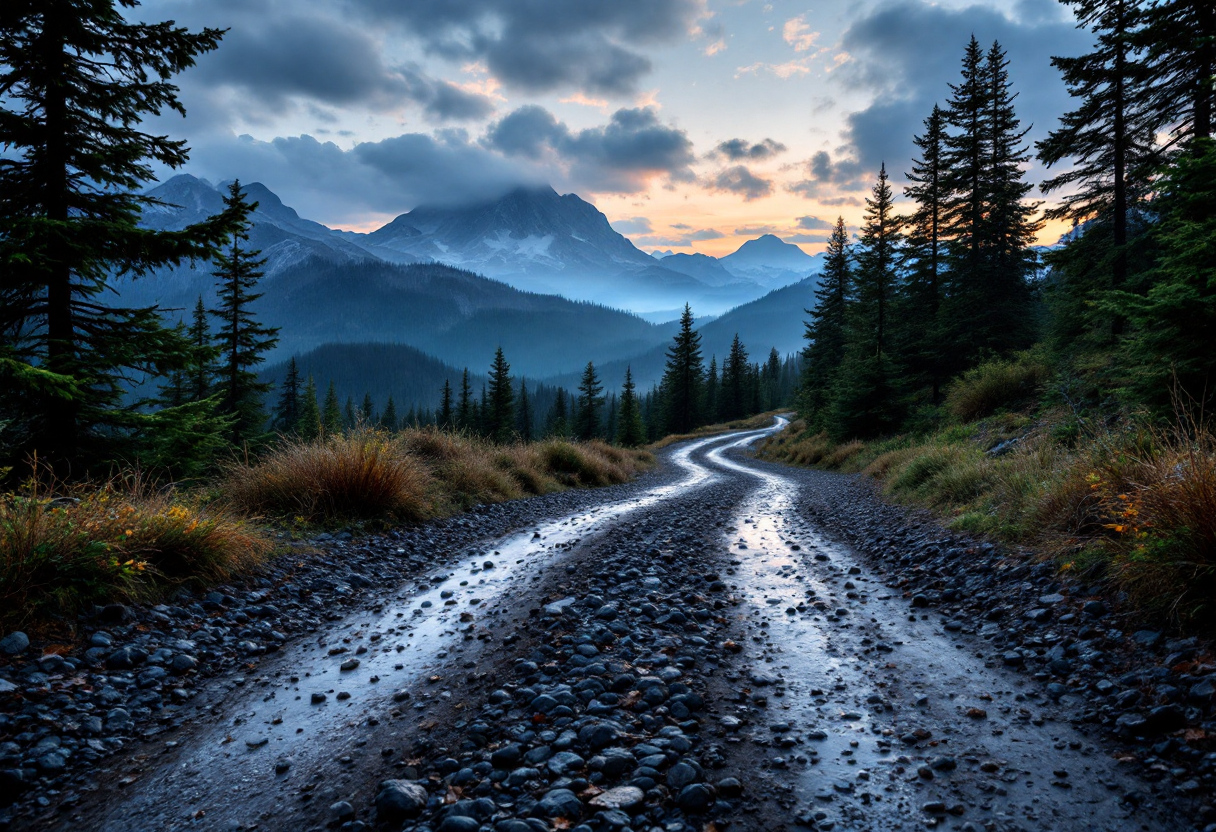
{"x": 694, "y": 125}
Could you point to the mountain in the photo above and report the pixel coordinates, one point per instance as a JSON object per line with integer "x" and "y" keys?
{"x": 772, "y": 262}
{"x": 708, "y": 270}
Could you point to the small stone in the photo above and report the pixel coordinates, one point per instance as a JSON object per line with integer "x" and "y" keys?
{"x": 14, "y": 644}
{"x": 622, "y": 798}
{"x": 348, "y": 665}
{"x": 318, "y": 698}
{"x": 399, "y": 800}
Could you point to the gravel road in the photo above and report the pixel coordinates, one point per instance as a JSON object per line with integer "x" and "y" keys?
{"x": 723, "y": 644}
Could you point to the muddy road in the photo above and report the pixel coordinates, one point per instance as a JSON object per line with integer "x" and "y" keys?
{"x": 693, "y": 653}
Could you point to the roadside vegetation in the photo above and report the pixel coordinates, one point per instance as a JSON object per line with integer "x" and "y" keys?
{"x": 1127, "y": 501}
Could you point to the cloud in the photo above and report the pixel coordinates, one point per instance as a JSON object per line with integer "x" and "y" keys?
{"x": 756, "y": 230}
{"x": 543, "y": 45}
{"x": 633, "y": 225}
{"x": 622, "y": 156}
{"x": 798, "y": 34}
{"x": 814, "y": 224}
{"x": 279, "y": 61}
{"x": 740, "y": 180}
{"x": 714, "y": 48}
{"x": 325, "y": 182}
{"x": 784, "y": 71}
{"x": 738, "y": 149}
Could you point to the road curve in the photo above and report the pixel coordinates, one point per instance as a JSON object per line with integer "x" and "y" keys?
{"x": 696, "y": 651}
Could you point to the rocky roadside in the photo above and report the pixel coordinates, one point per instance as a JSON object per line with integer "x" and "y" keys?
{"x": 137, "y": 673}
{"x": 1150, "y": 695}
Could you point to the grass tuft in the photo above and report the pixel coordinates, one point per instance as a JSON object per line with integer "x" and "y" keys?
{"x": 994, "y": 385}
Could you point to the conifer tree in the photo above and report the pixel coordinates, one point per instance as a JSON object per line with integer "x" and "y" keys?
{"x": 388, "y": 419}
{"x": 200, "y": 364}
{"x": 559, "y": 420}
{"x": 241, "y": 339}
{"x": 350, "y": 417}
{"x": 411, "y": 417}
{"x": 465, "y": 421}
{"x": 772, "y": 381}
{"x": 287, "y": 413}
{"x": 331, "y": 412}
{"x": 587, "y": 416}
{"x": 310, "y": 425}
{"x": 78, "y": 81}
{"x": 609, "y": 428}
{"x": 684, "y": 378}
{"x": 826, "y": 329}
{"x": 524, "y": 427}
{"x": 481, "y": 412}
{"x": 175, "y": 391}
{"x": 1181, "y": 61}
{"x": 500, "y": 412}
{"x": 923, "y": 261}
{"x": 445, "y": 407}
{"x": 711, "y": 390}
{"x": 630, "y": 429}
{"x": 736, "y": 385}
{"x": 863, "y": 395}
{"x": 367, "y": 410}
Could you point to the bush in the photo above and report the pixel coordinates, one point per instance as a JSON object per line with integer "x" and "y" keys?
{"x": 995, "y": 384}
{"x": 360, "y": 476}
{"x": 64, "y": 548}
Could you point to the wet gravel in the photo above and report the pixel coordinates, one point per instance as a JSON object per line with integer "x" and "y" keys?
{"x": 759, "y": 648}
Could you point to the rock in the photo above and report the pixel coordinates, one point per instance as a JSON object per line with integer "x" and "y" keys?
{"x": 1096, "y": 609}
{"x": 1165, "y": 718}
{"x": 1146, "y": 638}
{"x": 681, "y": 775}
{"x": 622, "y": 798}
{"x": 342, "y": 811}
{"x": 565, "y": 762}
{"x": 920, "y": 600}
{"x": 399, "y": 800}
{"x": 349, "y": 665}
{"x": 318, "y": 698}
{"x": 507, "y": 757}
{"x": 459, "y": 823}
{"x": 14, "y": 644}
{"x": 182, "y": 664}
{"x": 730, "y": 787}
{"x": 696, "y": 798}
{"x": 560, "y": 803}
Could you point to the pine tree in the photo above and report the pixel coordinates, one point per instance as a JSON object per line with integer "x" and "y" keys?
{"x": 500, "y": 413}
{"x": 559, "y": 420}
{"x": 711, "y": 390}
{"x": 175, "y": 391}
{"x": 609, "y": 430}
{"x": 918, "y": 305}
{"x": 465, "y": 421}
{"x": 772, "y": 381}
{"x": 524, "y": 425}
{"x": 287, "y": 413}
{"x": 331, "y": 413}
{"x": 587, "y": 416}
{"x": 411, "y": 417}
{"x": 863, "y": 395}
{"x": 350, "y": 416}
{"x": 200, "y": 364}
{"x": 826, "y": 329}
{"x": 736, "y": 388}
{"x": 1181, "y": 61}
{"x": 79, "y": 80}
{"x": 241, "y": 339}
{"x": 630, "y": 429}
{"x": 388, "y": 419}
{"x": 445, "y": 407}
{"x": 367, "y": 410}
{"x": 310, "y": 425}
{"x": 684, "y": 379}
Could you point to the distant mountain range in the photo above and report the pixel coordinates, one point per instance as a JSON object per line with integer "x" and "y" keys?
{"x": 531, "y": 238}
{"x": 375, "y": 292}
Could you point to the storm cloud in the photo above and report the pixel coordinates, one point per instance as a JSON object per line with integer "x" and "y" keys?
{"x": 741, "y": 149}
{"x": 739, "y": 180}
{"x": 621, "y": 156}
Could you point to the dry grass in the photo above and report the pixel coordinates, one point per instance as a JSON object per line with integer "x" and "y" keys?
{"x": 760, "y": 420}
{"x": 64, "y": 548}
{"x": 416, "y": 474}
{"x": 994, "y": 385}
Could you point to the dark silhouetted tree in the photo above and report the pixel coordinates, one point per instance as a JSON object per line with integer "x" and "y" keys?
{"x": 684, "y": 378}
{"x": 630, "y": 430}
{"x": 500, "y": 408}
{"x": 590, "y": 400}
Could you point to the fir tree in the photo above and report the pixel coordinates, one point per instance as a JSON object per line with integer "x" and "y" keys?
{"x": 736, "y": 387}
{"x": 465, "y": 421}
{"x": 175, "y": 391}
{"x": 587, "y": 416}
{"x": 863, "y": 395}
{"x": 826, "y": 329}
{"x": 367, "y": 411}
{"x": 310, "y": 425}
{"x": 630, "y": 429}
{"x": 919, "y": 302}
{"x": 241, "y": 339}
{"x": 1181, "y": 62}
{"x": 350, "y": 416}
{"x": 711, "y": 390}
{"x": 287, "y": 413}
{"x": 684, "y": 378}
{"x": 771, "y": 378}
{"x": 411, "y": 417}
{"x": 200, "y": 364}
{"x": 388, "y": 419}
{"x": 445, "y": 407}
{"x": 500, "y": 415}
{"x": 609, "y": 430}
{"x": 525, "y": 412}
{"x": 79, "y": 81}
{"x": 559, "y": 420}
{"x": 331, "y": 413}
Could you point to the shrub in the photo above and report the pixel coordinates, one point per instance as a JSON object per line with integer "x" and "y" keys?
{"x": 995, "y": 384}
{"x": 63, "y": 548}
{"x": 359, "y": 476}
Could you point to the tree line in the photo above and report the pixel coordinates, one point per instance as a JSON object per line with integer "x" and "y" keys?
{"x": 1125, "y": 307}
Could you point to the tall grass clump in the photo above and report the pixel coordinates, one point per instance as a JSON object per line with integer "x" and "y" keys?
{"x": 363, "y": 475}
{"x": 994, "y": 385}
{"x": 63, "y": 548}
